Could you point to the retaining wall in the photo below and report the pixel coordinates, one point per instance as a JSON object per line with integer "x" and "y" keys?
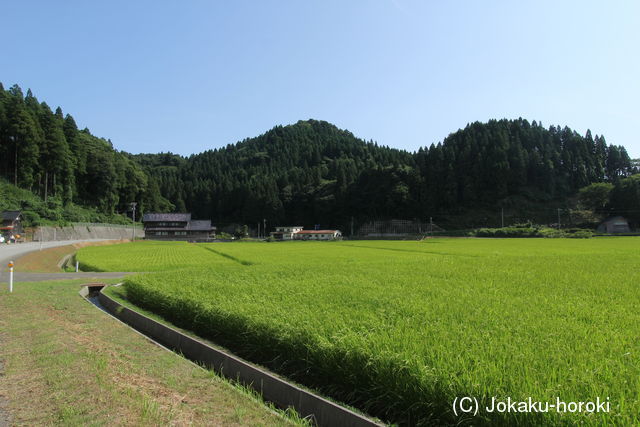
{"x": 84, "y": 232}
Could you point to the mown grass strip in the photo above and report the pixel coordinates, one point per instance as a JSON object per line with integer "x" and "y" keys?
{"x": 65, "y": 362}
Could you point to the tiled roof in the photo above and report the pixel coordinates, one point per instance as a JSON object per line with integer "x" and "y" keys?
{"x": 10, "y": 215}
{"x": 615, "y": 219}
{"x": 200, "y": 225}
{"x": 176, "y": 217}
{"x": 317, "y": 231}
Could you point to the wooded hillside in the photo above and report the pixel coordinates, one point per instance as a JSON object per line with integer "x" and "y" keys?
{"x": 310, "y": 172}
{"x": 44, "y": 152}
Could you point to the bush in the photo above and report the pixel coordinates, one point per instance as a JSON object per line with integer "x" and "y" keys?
{"x": 506, "y": 232}
{"x": 241, "y": 232}
{"x": 525, "y": 230}
{"x": 52, "y": 212}
{"x": 223, "y": 236}
{"x": 551, "y": 233}
{"x": 582, "y": 234}
{"x": 31, "y": 218}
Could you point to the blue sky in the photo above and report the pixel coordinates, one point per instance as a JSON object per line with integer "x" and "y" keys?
{"x": 188, "y": 76}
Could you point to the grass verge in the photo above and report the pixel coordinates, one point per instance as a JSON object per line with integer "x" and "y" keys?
{"x": 64, "y": 361}
{"x": 48, "y": 260}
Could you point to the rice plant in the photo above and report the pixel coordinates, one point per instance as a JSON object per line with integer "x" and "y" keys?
{"x": 400, "y": 329}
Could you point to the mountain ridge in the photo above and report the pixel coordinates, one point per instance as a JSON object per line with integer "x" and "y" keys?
{"x": 308, "y": 172}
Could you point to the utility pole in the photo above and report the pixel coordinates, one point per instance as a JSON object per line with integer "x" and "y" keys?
{"x": 431, "y": 225}
{"x": 133, "y": 208}
{"x": 558, "y": 218}
{"x": 351, "y": 226}
{"x": 258, "y": 230}
{"x": 502, "y": 217}
{"x": 264, "y": 228}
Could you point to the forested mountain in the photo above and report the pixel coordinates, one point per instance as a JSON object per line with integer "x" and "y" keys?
{"x": 44, "y": 152}
{"x": 307, "y": 173}
{"x": 312, "y": 172}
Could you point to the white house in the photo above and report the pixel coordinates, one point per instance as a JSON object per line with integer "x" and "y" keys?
{"x": 286, "y": 233}
{"x": 318, "y": 235}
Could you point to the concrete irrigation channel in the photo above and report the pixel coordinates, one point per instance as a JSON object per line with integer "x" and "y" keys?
{"x": 273, "y": 389}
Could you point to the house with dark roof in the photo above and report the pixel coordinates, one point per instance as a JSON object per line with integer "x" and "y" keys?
{"x": 12, "y": 226}
{"x": 177, "y": 226}
{"x": 614, "y": 225}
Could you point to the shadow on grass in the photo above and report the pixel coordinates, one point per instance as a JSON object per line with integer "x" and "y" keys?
{"x": 413, "y": 251}
{"x": 231, "y": 257}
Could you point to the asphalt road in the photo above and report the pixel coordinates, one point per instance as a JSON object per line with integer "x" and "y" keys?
{"x": 14, "y": 251}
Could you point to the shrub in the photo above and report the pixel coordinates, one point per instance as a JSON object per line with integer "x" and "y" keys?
{"x": 523, "y": 230}
{"x": 582, "y": 234}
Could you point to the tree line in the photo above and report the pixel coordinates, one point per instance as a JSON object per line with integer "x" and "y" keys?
{"x": 307, "y": 173}
{"x": 43, "y": 151}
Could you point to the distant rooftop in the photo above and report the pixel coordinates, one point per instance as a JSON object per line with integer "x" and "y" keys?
{"x": 10, "y": 215}
{"x": 200, "y": 225}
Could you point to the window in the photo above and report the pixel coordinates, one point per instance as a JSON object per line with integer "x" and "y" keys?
{"x": 181, "y": 233}
{"x": 168, "y": 224}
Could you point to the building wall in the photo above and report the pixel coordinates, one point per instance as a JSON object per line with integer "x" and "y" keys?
{"x": 395, "y": 228}
{"x": 285, "y": 235}
{"x": 614, "y": 226}
{"x": 325, "y": 236}
{"x": 188, "y": 237}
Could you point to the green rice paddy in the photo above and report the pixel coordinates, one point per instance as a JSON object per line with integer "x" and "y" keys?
{"x": 400, "y": 329}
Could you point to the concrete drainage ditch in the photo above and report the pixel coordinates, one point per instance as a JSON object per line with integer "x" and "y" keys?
{"x": 273, "y": 389}
{"x": 90, "y": 292}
